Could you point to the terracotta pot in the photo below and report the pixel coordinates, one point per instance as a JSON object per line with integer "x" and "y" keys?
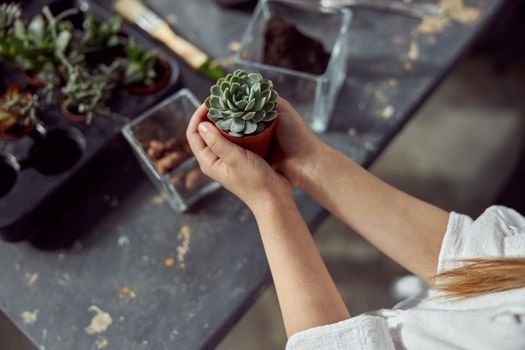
{"x": 79, "y": 118}
{"x": 30, "y": 80}
{"x": 159, "y": 84}
{"x": 258, "y": 144}
{"x": 21, "y": 132}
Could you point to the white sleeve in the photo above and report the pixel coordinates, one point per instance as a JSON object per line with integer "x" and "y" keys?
{"x": 363, "y": 332}
{"x": 498, "y": 232}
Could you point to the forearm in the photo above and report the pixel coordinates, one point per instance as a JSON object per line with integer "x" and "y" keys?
{"x": 306, "y": 292}
{"x": 408, "y": 230}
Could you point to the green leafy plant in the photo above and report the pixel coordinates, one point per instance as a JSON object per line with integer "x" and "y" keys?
{"x": 31, "y": 46}
{"x": 139, "y": 64}
{"x": 17, "y": 108}
{"x": 36, "y": 47}
{"x": 86, "y": 93}
{"x": 242, "y": 103}
{"x": 99, "y": 34}
{"x": 9, "y": 14}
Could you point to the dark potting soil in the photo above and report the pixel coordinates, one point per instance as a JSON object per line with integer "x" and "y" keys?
{"x": 285, "y": 46}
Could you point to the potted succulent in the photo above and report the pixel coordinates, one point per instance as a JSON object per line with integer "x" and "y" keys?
{"x": 18, "y": 112}
{"x": 33, "y": 48}
{"x": 145, "y": 72}
{"x": 85, "y": 94}
{"x": 102, "y": 40}
{"x": 243, "y": 106}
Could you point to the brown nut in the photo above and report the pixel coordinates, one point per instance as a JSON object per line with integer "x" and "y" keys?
{"x": 176, "y": 180}
{"x": 169, "y": 162}
{"x": 173, "y": 144}
{"x": 155, "y": 149}
{"x": 194, "y": 178}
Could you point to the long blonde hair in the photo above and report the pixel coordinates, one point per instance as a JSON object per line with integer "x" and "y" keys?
{"x": 481, "y": 276}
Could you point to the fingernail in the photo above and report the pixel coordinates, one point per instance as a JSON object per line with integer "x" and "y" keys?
{"x": 203, "y": 127}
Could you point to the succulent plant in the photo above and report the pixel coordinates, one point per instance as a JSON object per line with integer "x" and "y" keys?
{"x": 100, "y": 35}
{"x": 17, "y": 108}
{"x": 9, "y": 14}
{"x": 86, "y": 93}
{"x": 139, "y": 64}
{"x": 31, "y": 46}
{"x": 242, "y": 103}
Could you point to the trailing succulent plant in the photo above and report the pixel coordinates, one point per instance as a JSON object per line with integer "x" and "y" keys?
{"x": 242, "y": 103}
{"x": 17, "y": 108}
{"x": 86, "y": 93}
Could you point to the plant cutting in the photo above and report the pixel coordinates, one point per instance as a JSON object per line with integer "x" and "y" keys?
{"x": 243, "y": 106}
{"x": 145, "y": 71}
{"x": 85, "y": 94}
{"x": 9, "y": 14}
{"x": 34, "y": 47}
{"x": 18, "y": 112}
{"x": 101, "y": 40}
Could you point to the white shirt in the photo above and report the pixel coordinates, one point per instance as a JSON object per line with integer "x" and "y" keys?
{"x": 493, "y": 321}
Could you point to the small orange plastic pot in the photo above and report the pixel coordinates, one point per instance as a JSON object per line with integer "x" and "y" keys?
{"x": 21, "y": 132}
{"x": 258, "y": 144}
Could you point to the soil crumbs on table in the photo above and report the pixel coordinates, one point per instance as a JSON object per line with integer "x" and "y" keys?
{"x": 456, "y": 11}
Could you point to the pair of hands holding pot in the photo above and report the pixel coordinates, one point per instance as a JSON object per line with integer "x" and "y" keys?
{"x": 296, "y": 150}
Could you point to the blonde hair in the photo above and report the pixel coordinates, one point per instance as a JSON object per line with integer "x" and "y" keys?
{"x": 477, "y": 277}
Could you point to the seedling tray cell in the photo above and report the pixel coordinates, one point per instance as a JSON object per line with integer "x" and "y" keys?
{"x": 33, "y": 168}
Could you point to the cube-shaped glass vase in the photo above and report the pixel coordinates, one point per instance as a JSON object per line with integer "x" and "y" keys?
{"x": 312, "y": 95}
{"x": 184, "y": 184}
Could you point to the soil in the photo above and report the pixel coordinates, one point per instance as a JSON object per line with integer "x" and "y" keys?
{"x": 285, "y": 46}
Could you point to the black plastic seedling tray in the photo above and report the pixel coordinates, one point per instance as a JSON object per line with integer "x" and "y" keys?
{"x": 35, "y": 167}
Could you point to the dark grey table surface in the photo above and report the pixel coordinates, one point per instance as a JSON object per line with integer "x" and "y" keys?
{"x": 110, "y": 248}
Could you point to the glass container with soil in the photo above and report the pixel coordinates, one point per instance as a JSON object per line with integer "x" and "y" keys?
{"x": 303, "y": 49}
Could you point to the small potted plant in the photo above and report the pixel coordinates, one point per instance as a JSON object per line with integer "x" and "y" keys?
{"x": 33, "y": 48}
{"x": 18, "y": 112}
{"x": 102, "y": 40}
{"x": 145, "y": 72}
{"x": 243, "y": 106}
{"x": 85, "y": 94}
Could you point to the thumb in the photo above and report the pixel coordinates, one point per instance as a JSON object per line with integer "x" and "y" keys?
{"x": 218, "y": 144}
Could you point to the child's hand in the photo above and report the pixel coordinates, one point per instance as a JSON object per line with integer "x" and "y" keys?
{"x": 242, "y": 172}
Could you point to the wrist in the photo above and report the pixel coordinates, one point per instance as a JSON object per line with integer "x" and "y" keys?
{"x": 311, "y": 169}
{"x": 270, "y": 202}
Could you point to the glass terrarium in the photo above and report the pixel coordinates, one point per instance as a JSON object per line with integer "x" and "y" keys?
{"x": 313, "y": 95}
{"x": 159, "y": 142}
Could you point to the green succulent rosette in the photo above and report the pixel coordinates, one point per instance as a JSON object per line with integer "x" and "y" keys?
{"x": 242, "y": 104}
